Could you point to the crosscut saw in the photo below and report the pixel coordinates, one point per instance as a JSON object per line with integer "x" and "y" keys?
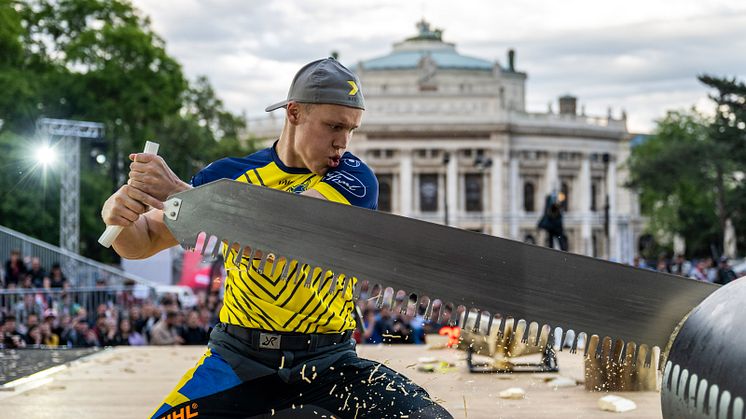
{"x": 493, "y": 277}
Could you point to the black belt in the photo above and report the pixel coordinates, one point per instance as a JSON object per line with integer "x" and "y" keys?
{"x": 263, "y": 339}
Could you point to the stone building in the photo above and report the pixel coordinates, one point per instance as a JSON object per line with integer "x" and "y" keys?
{"x": 451, "y": 141}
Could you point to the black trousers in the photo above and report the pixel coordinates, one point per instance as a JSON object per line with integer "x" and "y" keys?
{"x": 233, "y": 380}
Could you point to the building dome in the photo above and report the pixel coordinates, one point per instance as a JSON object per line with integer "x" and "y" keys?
{"x": 426, "y": 47}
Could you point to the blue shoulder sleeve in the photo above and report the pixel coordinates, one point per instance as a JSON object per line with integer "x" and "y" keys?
{"x": 355, "y": 181}
{"x": 231, "y": 167}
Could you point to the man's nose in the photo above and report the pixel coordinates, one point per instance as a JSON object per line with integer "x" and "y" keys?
{"x": 343, "y": 140}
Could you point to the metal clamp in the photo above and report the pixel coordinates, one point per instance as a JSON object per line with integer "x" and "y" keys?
{"x": 171, "y": 208}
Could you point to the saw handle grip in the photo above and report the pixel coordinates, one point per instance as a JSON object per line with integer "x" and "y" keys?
{"x": 112, "y": 232}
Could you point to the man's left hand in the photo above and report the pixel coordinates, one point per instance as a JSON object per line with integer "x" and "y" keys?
{"x": 150, "y": 174}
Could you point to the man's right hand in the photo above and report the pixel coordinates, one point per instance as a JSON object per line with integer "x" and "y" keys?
{"x": 125, "y": 206}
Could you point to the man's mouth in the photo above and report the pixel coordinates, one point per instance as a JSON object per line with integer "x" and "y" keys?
{"x": 334, "y": 161}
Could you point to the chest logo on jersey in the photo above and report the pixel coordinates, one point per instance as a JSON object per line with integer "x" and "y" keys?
{"x": 352, "y": 162}
{"x": 347, "y": 181}
{"x": 300, "y": 188}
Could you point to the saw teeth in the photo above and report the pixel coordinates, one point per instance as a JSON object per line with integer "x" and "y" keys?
{"x": 506, "y": 329}
{"x": 199, "y": 242}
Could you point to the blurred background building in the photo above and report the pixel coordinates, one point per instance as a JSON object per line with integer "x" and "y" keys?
{"x": 451, "y": 142}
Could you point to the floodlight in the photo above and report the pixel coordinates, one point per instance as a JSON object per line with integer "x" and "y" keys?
{"x": 45, "y": 155}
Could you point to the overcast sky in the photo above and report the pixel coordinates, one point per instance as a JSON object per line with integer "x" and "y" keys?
{"x": 639, "y": 55}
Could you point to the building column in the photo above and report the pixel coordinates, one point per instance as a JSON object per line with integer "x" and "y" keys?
{"x": 515, "y": 197}
{"x": 585, "y": 206}
{"x": 614, "y": 252}
{"x": 496, "y": 193}
{"x": 405, "y": 183}
{"x": 452, "y": 188}
{"x": 551, "y": 181}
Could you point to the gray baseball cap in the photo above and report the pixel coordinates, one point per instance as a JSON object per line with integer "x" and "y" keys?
{"x": 324, "y": 81}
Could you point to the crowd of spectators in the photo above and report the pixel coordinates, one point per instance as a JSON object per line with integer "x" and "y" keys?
{"x": 20, "y": 273}
{"x": 49, "y": 313}
{"x": 142, "y": 323}
{"x": 703, "y": 269}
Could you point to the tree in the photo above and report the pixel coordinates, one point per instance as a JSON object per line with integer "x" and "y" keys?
{"x": 690, "y": 172}
{"x": 728, "y": 134}
{"x": 99, "y": 60}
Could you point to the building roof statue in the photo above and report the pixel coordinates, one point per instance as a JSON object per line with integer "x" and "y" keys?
{"x": 408, "y": 54}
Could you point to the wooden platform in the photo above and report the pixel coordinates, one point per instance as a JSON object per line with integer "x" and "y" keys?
{"x": 130, "y": 382}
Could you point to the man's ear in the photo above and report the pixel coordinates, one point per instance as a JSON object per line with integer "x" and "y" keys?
{"x": 294, "y": 112}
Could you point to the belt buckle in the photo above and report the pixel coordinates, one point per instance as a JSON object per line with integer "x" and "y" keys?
{"x": 269, "y": 341}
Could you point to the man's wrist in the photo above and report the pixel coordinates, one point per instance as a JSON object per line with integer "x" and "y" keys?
{"x": 181, "y": 186}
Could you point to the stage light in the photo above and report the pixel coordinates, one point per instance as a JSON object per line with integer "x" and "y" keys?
{"x": 45, "y": 155}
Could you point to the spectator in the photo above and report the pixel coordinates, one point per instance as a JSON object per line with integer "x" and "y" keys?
{"x": 639, "y": 262}
{"x": 165, "y": 331}
{"x": 64, "y": 327}
{"x": 33, "y": 337}
{"x": 12, "y": 338}
{"x": 711, "y": 270}
{"x": 82, "y": 335}
{"x": 662, "y": 264}
{"x": 48, "y": 338}
{"x": 700, "y": 271}
{"x": 194, "y": 333}
{"x": 15, "y": 270}
{"x": 130, "y": 336}
{"x": 384, "y": 324}
{"x": 725, "y": 273}
{"x": 32, "y": 320}
{"x": 37, "y": 273}
{"x": 113, "y": 336}
{"x": 551, "y": 221}
{"x": 58, "y": 279}
{"x": 680, "y": 266}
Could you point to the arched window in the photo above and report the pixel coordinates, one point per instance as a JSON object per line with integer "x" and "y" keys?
{"x": 528, "y": 197}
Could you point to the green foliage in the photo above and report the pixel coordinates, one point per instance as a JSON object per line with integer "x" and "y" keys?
{"x": 98, "y": 60}
{"x": 30, "y": 195}
{"x": 690, "y": 171}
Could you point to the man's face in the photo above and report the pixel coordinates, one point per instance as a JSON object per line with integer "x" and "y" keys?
{"x": 323, "y": 133}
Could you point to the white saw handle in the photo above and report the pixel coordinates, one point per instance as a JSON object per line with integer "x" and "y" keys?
{"x": 112, "y": 232}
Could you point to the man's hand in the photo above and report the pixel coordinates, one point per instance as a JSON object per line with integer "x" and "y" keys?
{"x": 151, "y": 176}
{"x": 125, "y": 206}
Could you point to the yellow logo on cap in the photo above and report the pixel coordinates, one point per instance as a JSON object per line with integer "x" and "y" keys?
{"x": 354, "y": 87}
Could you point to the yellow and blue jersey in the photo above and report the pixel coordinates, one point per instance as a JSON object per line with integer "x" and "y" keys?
{"x": 262, "y": 301}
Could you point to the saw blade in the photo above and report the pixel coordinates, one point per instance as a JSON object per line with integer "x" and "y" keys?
{"x": 485, "y": 275}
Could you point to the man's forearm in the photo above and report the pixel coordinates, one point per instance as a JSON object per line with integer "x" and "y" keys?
{"x": 134, "y": 242}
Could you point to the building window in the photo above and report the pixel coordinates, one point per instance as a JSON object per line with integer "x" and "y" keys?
{"x": 428, "y": 192}
{"x": 474, "y": 192}
{"x": 565, "y": 204}
{"x": 528, "y": 197}
{"x": 384, "y": 192}
{"x": 594, "y": 195}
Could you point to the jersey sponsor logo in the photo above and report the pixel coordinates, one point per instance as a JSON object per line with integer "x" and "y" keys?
{"x": 186, "y": 412}
{"x": 352, "y": 162}
{"x": 347, "y": 181}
